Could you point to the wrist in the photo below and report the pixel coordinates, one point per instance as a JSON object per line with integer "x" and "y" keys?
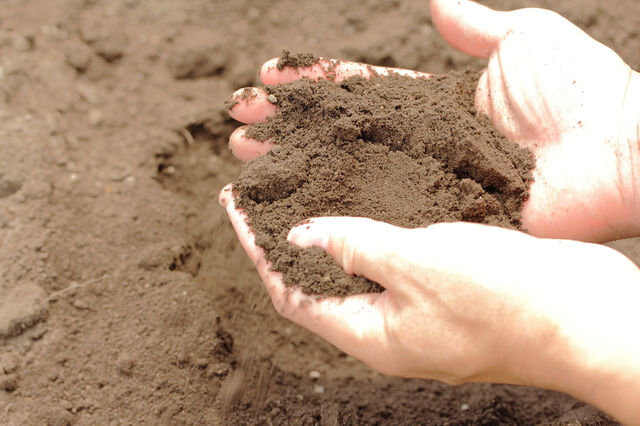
{"x": 590, "y": 349}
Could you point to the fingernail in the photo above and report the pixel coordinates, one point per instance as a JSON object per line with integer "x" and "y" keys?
{"x": 309, "y": 234}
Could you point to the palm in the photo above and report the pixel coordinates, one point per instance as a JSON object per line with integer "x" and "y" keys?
{"x": 558, "y": 92}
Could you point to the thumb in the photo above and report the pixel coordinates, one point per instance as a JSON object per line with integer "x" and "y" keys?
{"x": 472, "y": 28}
{"x": 362, "y": 246}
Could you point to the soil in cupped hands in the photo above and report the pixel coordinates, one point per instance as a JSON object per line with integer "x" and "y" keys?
{"x": 402, "y": 150}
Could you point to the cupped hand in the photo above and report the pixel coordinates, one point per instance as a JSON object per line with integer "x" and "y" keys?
{"x": 449, "y": 310}
{"x": 571, "y": 100}
{"x": 548, "y": 87}
{"x": 467, "y": 302}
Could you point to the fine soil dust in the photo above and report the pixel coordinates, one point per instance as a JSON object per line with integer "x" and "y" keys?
{"x": 406, "y": 151}
{"x": 125, "y": 298}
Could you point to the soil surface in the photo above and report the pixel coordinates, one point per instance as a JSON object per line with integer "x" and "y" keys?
{"x": 401, "y": 150}
{"x": 125, "y": 298}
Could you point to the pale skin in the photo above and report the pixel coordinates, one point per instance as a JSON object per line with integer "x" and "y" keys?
{"x": 554, "y": 313}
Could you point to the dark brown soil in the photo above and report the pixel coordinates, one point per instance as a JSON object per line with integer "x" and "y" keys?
{"x": 406, "y": 151}
{"x": 113, "y": 146}
{"x": 296, "y": 60}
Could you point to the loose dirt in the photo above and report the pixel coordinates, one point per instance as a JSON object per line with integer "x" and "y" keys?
{"x": 137, "y": 306}
{"x": 401, "y": 150}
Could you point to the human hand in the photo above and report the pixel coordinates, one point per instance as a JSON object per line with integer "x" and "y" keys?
{"x": 572, "y": 101}
{"x": 548, "y": 87}
{"x": 445, "y": 312}
{"x": 467, "y": 302}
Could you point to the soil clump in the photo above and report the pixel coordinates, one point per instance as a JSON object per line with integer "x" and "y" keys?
{"x": 402, "y": 150}
{"x": 296, "y": 60}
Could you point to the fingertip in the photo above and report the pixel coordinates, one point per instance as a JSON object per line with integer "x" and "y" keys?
{"x": 352, "y": 241}
{"x": 250, "y": 105}
{"x": 244, "y": 148}
{"x": 237, "y": 141}
{"x": 268, "y": 71}
{"x": 289, "y": 74}
{"x": 468, "y": 26}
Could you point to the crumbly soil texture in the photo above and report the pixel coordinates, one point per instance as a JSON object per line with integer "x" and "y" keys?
{"x": 402, "y": 150}
{"x": 125, "y": 297}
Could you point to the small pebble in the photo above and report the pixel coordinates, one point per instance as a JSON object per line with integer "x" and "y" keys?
{"x": 272, "y": 99}
{"x": 318, "y": 389}
{"x": 300, "y": 397}
{"x": 59, "y": 417}
{"x": 22, "y": 308}
{"x": 22, "y": 44}
{"x": 219, "y": 369}
{"x": 314, "y": 374}
{"x": 464, "y": 407}
{"x": 80, "y": 304}
{"x": 37, "y": 333}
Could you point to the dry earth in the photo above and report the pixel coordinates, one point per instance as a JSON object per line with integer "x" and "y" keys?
{"x": 124, "y": 296}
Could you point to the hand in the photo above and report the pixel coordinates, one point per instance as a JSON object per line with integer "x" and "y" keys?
{"x": 548, "y": 87}
{"x": 467, "y": 302}
{"x": 572, "y": 101}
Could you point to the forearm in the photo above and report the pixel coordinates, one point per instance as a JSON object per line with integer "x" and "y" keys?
{"x": 595, "y": 352}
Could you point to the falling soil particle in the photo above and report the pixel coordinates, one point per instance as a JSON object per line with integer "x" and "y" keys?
{"x": 407, "y": 151}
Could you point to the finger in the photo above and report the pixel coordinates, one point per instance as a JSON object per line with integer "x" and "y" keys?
{"x": 244, "y": 148}
{"x": 362, "y": 246}
{"x": 339, "y": 320}
{"x": 284, "y": 299}
{"x": 355, "y": 324}
{"x": 238, "y": 220}
{"x": 472, "y": 28}
{"x": 281, "y": 296}
{"x": 250, "y": 105}
{"x": 327, "y": 68}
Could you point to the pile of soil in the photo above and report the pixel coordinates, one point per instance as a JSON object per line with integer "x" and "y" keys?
{"x": 407, "y": 151}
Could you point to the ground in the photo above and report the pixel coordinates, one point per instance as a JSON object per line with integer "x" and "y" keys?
{"x": 124, "y": 296}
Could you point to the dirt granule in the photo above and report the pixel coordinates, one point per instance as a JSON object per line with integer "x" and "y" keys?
{"x": 407, "y": 151}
